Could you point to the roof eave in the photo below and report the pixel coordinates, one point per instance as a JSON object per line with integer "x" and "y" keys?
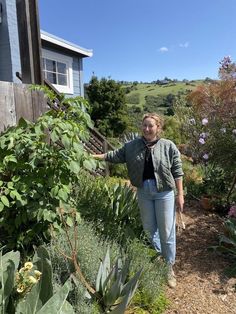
{"x": 67, "y": 45}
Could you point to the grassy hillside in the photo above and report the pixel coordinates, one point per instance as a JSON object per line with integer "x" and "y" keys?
{"x": 152, "y": 97}
{"x": 136, "y": 93}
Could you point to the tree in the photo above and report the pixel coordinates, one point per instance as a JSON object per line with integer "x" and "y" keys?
{"x": 108, "y": 107}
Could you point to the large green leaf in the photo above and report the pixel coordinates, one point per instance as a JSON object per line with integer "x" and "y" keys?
{"x": 42, "y": 261}
{"x": 74, "y": 166}
{"x": 58, "y": 304}
{"x": 8, "y": 265}
{"x": 32, "y": 303}
{"x": 129, "y": 289}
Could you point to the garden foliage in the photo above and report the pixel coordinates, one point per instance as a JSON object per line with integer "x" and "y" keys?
{"x": 210, "y": 129}
{"x": 108, "y": 204}
{"x": 39, "y": 164}
{"x": 31, "y": 296}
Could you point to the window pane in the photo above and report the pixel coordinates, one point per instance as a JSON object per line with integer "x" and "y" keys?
{"x": 52, "y": 77}
{"x": 44, "y": 64}
{"x": 62, "y": 79}
{"x": 50, "y": 65}
{"x": 61, "y": 67}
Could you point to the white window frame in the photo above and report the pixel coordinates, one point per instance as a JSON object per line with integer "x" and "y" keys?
{"x": 51, "y": 55}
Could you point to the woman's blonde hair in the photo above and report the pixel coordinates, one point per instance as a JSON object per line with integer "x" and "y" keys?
{"x": 158, "y": 119}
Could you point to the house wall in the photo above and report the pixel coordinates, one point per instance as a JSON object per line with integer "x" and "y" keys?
{"x": 9, "y": 43}
{"x": 10, "y": 52}
{"x": 77, "y": 69}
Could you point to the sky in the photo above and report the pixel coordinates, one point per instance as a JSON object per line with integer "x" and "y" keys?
{"x": 146, "y": 40}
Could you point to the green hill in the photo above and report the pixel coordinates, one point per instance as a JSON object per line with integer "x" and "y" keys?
{"x": 138, "y": 93}
{"x": 155, "y": 97}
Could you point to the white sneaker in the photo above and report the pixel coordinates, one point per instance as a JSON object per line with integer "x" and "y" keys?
{"x": 171, "y": 280}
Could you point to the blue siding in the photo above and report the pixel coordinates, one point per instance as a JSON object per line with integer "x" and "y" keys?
{"x": 10, "y": 52}
{"x": 76, "y": 69}
{"x": 77, "y": 77}
{"x": 9, "y": 43}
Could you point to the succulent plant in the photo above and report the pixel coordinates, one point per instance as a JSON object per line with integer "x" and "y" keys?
{"x": 113, "y": 286}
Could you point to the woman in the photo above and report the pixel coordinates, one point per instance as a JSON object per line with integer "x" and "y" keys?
{"x": 155, "y": 168}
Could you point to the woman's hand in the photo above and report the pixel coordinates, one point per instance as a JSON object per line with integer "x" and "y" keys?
{"x": 98, "y": 156}
{"x": 180, "y": 202}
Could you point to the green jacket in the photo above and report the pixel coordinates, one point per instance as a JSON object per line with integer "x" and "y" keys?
{"x": 166, "y": 162}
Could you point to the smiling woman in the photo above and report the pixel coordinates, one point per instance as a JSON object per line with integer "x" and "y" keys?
{"x": 155, "y": 169}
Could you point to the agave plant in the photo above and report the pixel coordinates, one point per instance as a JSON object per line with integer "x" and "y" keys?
{"x": 129, "y": 137}
{"x": 123, "y": 212}
{"x": 113, "y": 286}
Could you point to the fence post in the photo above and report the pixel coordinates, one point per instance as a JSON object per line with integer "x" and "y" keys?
{"x": 105, "y": 150}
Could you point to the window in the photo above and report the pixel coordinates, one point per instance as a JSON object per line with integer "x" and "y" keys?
{"x": 57, "y": 70}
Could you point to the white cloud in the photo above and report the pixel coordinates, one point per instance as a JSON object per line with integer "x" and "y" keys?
{"x": 163, "y": 49}
{"x": 185, "y": 45}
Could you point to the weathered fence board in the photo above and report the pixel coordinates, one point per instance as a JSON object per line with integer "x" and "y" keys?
{"x": 7, "y": 106}
{"x": 16, "y": 101}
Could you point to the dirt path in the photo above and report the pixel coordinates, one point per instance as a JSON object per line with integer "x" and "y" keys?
{"x": 202, "y": 287}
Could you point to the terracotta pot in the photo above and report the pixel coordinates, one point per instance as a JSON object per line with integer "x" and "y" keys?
{"x": 206, "y": 203}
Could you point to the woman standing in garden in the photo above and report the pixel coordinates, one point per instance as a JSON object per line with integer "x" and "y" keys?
{"x": 155, "y": 168}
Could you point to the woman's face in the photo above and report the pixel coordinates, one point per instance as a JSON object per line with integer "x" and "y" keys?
{"x": 150, "y": 129}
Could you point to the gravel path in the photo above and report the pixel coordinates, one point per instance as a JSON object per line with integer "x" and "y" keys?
{"x": 202, "y": 286}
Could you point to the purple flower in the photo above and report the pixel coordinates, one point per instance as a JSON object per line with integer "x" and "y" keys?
{"x": 232, "y": 211}
{"x": 204, "y": 121}
{"x": 192, "y": 121}
{"x": 203, "y": 135}
{"x": 205, "y": 156}
{"x": 201, "y": 141}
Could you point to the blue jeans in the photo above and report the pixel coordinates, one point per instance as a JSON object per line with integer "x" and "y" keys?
{"x": 157, "y": 211}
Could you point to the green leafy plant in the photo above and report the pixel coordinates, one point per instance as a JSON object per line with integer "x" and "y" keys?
{"x": 227, "y": 243}
{"x": 37, "y": 295}
{"x": 39, "y": 165}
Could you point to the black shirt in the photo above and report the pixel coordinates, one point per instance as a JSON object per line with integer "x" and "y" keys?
{"x": 148, "y": 172}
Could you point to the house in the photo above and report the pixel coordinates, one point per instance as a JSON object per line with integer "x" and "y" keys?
{"x": 62, "y": 61}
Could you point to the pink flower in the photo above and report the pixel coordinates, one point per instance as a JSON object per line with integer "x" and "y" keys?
{"x": 232, "y": 211}
{"x": 204, "y": 121}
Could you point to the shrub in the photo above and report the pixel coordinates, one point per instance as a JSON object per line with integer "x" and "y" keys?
{"x": 107, "y": 205}
{"x": 133, "y": 98}
{"x": 39, "y": 163}
{"x": 227, "y": 243}
{"x": 91, "y": 251}
{"x": 209, "y": 124}
{"x": 150, "y": 295}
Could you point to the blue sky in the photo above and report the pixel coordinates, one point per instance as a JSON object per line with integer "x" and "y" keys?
{"x": 145, "y": 40}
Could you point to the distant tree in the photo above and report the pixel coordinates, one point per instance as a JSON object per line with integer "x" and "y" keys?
{"x": 108, "y": 106}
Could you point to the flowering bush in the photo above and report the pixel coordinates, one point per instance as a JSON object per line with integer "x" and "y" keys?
{"x": 232, "y": 211}
{"x": 210, "y": 123}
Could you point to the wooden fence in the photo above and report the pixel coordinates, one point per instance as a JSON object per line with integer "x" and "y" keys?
{"x": 17, "y": 100}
